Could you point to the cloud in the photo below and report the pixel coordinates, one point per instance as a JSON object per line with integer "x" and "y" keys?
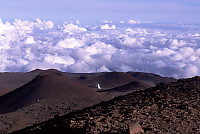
{"x": 107, "y": 21}
{"x": 55, "y": 59}
{"x": 44, "y": 24}
{"x": 67, "y": 28}
{"x": 106, "y": 27}
{"x": 186, "y": 52}
{"x": 191, "y": 70}
{"x": 138, "y": 22}
{"x": 131, "y": 42}
{"x": 69, "y": 43}
{"x": 103, "y": 69}
{"x": 165, "y": 52}
{"x": 30, "y": 40}
{"x": 168, "y": 50}
{"x": 100, "y": 48}
{"x": 133, "y": 22}
{"x": 81, "y": 66}
{"x": 174, "y": 44}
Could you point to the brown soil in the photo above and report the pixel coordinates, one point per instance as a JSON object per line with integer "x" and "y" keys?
{"x": 166, "y": 108}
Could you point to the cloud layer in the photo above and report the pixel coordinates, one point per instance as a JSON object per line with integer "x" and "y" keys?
{"x": 168, "y": 50}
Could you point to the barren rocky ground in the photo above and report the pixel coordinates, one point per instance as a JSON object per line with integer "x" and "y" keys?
{"x": 50, "y": 94}
{"x": 45, "y": 110}
{"x": 166, "y": 108}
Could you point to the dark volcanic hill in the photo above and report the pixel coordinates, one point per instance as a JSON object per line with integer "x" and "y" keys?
{"x": 12, "y": 80}
{"x": 154, "y": 78}
{"x": 49, "y": 85}
{"x": 107, "y": 80}
{"x": 133, "y": 86}
{"x": 166, "y": 108}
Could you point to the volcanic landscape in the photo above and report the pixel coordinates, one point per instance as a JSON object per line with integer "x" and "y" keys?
{"x": 51, "y": 101}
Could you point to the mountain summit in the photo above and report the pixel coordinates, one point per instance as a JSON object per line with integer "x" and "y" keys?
{"x": 48, "y": 85}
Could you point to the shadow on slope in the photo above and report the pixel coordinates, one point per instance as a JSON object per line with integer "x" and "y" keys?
{"x": 106, "y": 80}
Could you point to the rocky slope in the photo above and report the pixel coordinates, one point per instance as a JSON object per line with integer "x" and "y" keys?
{"x": 166, "y": 108}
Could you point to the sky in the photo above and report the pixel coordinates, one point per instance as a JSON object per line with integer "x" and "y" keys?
{"x": 158, "y": 11}
{"x": 155, "y": 36}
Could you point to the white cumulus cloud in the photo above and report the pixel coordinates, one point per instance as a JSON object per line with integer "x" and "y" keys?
{"x": 69, "y": 43}
{"x": 133, "y": 22}
{"x": 168, "y": 50}
{"x": 106, "y": 26}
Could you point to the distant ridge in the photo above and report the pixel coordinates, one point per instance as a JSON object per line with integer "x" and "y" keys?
{"x": 154, "y": 78}
{"x": 133, "y": 86}
{"x": 48, "y": 85}
{"x": 107, "y": 80}
{"x": 37, "y": 71}
{"x": 111, "y": 80}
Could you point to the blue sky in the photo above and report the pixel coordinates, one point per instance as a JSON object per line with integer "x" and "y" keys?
{"x": 159, "y": 11}
{"x": 166, "y": 49}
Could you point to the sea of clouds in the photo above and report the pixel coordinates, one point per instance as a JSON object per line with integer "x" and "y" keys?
{"x": 166, "y": 49}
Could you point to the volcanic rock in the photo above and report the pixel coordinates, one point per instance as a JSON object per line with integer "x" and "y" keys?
{"x": 136, "y": 128}
{"x": 166, "y": 108}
